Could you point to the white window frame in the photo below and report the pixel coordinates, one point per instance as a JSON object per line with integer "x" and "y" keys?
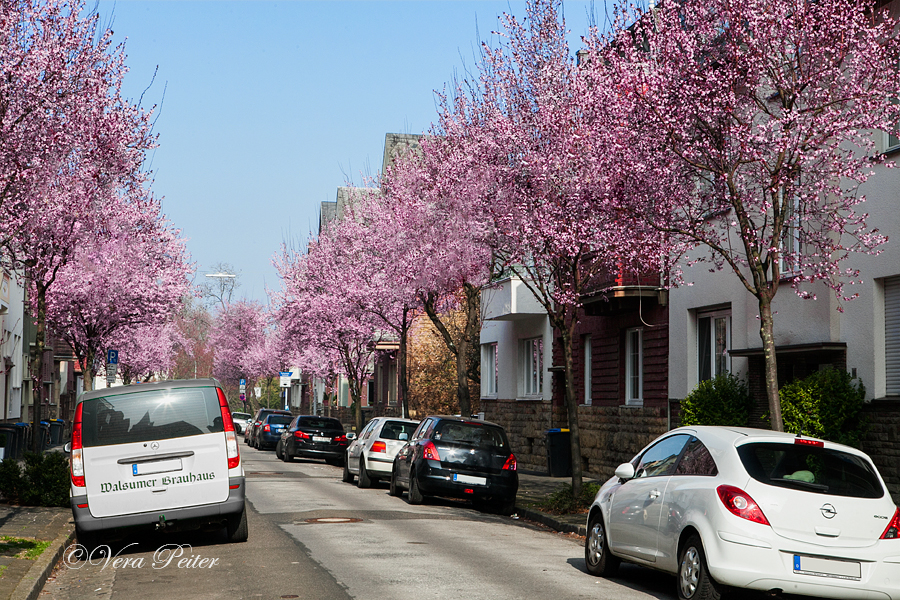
{"x": 634, "y": 360}
{"x": 489, "y": 373}
{"x": 531, "y": 367}
{"x": 587, "y": 344}
{"x": 714, "y": 316}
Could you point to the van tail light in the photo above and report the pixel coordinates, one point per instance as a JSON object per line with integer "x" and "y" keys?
{"x": 510, "y": 464}
{"x": 231, "y": 445}
{"x": 301, "y": 436}
{"x": 429, "y": 452}
{"x": 77, "y": 456}
{"x": 379, "y": 447}
{"x": 893, "y": 529}
{"x": 267, "y": 428}
{"x": 739, "y": 503}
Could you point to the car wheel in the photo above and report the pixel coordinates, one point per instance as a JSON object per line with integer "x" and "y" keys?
{"x": 237, "y": 528}
{"x": 364, "y": 480}
{"x": 279, "y": 454}
{"x": 394, "y": 489}
{"x": 286, "y": 455}
{"x": 348, "y": 476}
{"x": 415, "y": 496}
{"x": 507, "y": 507}
{"x": 694, "y": 580}
{"x": 597, "y": 558}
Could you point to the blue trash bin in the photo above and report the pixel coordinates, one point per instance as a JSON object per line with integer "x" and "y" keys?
{"x": 8, "y": 435}
{"x": 23, "y": 440}
{"x": 56, "y": 430}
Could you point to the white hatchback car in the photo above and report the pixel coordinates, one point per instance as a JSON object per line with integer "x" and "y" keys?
{"x": 750, "y": 508}
{"x": 371, "y": 455}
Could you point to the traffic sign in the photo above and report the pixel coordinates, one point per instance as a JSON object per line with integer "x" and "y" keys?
{"x": 243, "y": 382}
{"x": 243, "y": 398}
{"x": 112, "y": 357}
{"x": 257, "y": 391}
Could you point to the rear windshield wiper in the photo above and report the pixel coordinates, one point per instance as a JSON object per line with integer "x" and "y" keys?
{"x": 817, "y": 487}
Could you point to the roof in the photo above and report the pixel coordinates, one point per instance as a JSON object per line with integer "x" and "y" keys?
{"x": 168, "y": 384}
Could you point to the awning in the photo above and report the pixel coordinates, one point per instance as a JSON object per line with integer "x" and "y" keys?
{"x": 793, "y": 349}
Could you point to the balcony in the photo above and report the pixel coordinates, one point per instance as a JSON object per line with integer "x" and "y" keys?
{"x": 510, "y": 300}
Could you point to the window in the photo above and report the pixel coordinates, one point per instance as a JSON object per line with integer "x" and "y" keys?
{"x": 659, "y": 459}
{"x": 790, "y": 245}
{"x": 533, "y": 367}
{"x": 696, "y": 460}
{"x": 489, "y": 374}
{"x": 713, "y": 340}
{"x": 588, "y": 358}
{"x": 634, "y": 367}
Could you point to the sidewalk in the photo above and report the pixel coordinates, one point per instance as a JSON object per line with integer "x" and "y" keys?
{"x": 23, "y": 579}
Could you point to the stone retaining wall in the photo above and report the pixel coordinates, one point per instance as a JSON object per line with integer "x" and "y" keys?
{"x": 882, "y": 441}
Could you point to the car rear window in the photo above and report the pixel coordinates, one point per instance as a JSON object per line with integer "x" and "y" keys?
{"x": 393, "y": 429}
{"x": 237, "y": 415}
{"x": 811, "y": 469}
{"x": 317, "y": 423}
{"x": 474, "y": 434}
{"x": 150, "y": 415}
{"x": 279, "y": 420}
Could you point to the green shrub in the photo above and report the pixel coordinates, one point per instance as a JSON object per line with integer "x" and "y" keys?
{"x": 43, "y": 482}
{"x": 827, "y": 404}
{"x": 723, "y": 400}
{"x": 563, "y": 502}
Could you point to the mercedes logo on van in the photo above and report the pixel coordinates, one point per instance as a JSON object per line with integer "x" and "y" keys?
{"x": 828, "y": 511}
{"x": 155, "y": 446}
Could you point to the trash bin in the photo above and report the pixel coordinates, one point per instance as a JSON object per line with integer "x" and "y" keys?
{"x": 57, "y": 426}
{"x": 559, "y": 453}
{"x": 23, "y": 440}
{"x": 44, "y": 434}
{"x": 8, "y": 443}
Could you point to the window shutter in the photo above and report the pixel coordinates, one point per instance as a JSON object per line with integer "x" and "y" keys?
{"x": 892, "y": 335}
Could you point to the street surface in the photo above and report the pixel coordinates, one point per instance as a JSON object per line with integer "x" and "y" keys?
{"x": 313, "y": 536}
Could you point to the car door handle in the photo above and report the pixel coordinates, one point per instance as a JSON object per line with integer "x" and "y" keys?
{"x": 654, "y": 493}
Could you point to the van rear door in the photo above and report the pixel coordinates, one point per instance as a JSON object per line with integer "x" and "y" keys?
{"x": 154, "y": 450}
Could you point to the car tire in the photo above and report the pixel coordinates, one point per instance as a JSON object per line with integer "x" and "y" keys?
{"x": 693, "y": 580}
{"x": 347, "y": 477}
{"x": 506, "y": 507}
{"x": 286, "y": 455}
{"x": 394, "y": 488}
{"x": 279, "y": 453}
{"x": 597, "y": 558}
{"x": 237, "y": 528}
{"x": 415, "y": 496}
{"x": 364, "y": 480}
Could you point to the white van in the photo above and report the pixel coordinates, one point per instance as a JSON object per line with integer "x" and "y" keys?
{"x": 161, "y": 455}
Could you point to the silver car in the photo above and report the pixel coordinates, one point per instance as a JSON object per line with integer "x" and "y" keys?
{"x": 240, "y": 421}
{"x": 371, "y": 455}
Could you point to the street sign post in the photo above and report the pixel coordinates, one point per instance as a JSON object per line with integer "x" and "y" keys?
{"x": 112, "y": 357}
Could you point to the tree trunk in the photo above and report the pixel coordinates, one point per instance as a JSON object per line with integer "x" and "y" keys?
{"x": 473, "y": 321}
{"x": 767, "y": 334}
{"x": 37, "y": 368}
{"x": 403, "y": 384}
{"x": 567, "y": 332}
{"x": 87, "y": 371}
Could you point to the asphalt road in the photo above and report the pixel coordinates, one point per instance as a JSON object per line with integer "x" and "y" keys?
{"x": 313, "y": 536}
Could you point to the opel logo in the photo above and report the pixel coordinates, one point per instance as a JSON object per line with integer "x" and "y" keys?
{"x": 155, "y": 446}
{"x": 828, "y": 511}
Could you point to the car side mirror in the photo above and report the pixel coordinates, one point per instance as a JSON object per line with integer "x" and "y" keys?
{"x": 67, "y": 448}
{"x": 625, "y": 471}
{"x": 403, "y": 436}
{"x": 351, "y": 436}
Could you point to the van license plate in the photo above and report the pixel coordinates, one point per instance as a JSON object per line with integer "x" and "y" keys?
{"x": 824, "y": 567}
{"x": 159, "y": 466}
{"x": 469, "y": 479}
{"x": 317, "y": 438}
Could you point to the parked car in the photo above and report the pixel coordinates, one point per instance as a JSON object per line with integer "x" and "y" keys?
{"x": 371, "y": 455}
{"x": 240, "y": 421}
{"x": 309, "y": 436}
{"x": 748, "y": 508}
{"x": 159, "y": 455}
{"x": 458, "y": 458}
{"x": 254, "y": 426}
{"x": 270, "y": 430}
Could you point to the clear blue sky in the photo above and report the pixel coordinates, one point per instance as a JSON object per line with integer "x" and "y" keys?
{"x": 266, "y": 108}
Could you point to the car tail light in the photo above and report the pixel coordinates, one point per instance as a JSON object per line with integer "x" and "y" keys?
{"x": 301, "y": 436}
{"x": 806, "y": 442}
{"x": 341, "y": 439}
{"x": 510, "y": 464}
{"x": 267, "y": 428}
{"x": 231, "y": 445}
{"x": 77, "y": 457}
{"x": 741, "y": 504}
{"x": 379, "y": 447}
{"x": 893, "y": 529}
{"x": 429, "y": 452}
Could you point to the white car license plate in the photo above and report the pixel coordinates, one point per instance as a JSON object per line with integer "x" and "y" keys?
{"x": 469, "y": 479}
{"x": 159, "y": 466}
{"x": 825, "y": 567}
{"x": 318, "y": 438}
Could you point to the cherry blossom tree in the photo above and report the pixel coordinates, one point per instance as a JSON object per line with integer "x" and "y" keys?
{"x": 764, "y": 112}
{"x": 136, "y": 273}
{"x": 147, "y": 350}
{"x": 194, "y": 357}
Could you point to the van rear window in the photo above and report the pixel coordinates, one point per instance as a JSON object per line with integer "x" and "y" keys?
{"x": 150, "y": 415}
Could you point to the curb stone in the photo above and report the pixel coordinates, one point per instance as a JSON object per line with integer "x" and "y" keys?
{"x": 31, "y": 585}
{"x": 549, "y": 521}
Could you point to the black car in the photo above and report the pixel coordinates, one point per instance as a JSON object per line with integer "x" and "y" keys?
{"x": 458, "y": 458}
{"x": 253, "y": 427}
{"x": 309, "y": 436}
{"x": 270, "y": 430}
